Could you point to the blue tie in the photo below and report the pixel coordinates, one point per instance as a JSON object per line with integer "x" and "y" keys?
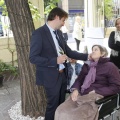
{"x": 57, "y": 37}
{"x": 59, "y": 42}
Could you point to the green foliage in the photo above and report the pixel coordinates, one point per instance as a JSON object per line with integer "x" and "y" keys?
{"x": 1, "y": 2}
{"x": 46, "y": 2}
{"x": 4, "y": 9}
{"x": 7, "y": 67}
{"x": 108, "y": 8}
{"x": 49, "y": 5}
{"x": 34, "y": 11}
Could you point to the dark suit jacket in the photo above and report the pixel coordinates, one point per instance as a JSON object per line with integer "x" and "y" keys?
{"x": 44, "y": 55}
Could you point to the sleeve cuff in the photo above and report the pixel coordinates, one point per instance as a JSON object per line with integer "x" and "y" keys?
{"x": 72, "y": 89}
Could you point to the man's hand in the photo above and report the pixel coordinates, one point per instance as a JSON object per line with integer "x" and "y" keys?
{"x": 61, "y": 59}
{"x": 74, "y": 95}
{"x": 90, "y": 56}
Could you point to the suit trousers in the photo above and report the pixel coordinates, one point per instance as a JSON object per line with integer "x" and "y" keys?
{"x": 77, "y": 43}
{"x": 55, "y": 96}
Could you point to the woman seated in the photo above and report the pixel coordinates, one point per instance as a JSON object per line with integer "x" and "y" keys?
{"x": 98, "y": 78}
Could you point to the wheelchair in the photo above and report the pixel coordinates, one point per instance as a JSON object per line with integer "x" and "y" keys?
{"x": 108, "y": 106}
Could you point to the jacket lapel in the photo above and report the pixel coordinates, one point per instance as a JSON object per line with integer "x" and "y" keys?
{"x": 50, "y": 39}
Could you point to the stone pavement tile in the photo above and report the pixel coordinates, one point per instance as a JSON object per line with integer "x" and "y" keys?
{"x": 5, "y": 111}
{"x": 15, "y": 89}
{"x": 4, "y": 102}
{"x": 9, "y": 96}
{"x": 3, "y": 92}
{"x": 5, "y": 116}
{"x": 1, "y": 116}
{"x": 11, "y": 84}
{"x": 5, "y": 105}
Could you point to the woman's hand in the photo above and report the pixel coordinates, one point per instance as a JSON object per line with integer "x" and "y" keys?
{"x": 74, "y": 95}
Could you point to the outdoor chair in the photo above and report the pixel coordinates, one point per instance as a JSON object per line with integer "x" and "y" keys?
{"x": 108, "y": 106}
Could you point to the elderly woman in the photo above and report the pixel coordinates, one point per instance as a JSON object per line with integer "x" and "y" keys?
{"x": 98, "y": 78}
{"x": 114, "y": 44}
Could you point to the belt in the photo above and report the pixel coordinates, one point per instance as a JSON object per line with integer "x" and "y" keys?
{"x": 61, "y": 71}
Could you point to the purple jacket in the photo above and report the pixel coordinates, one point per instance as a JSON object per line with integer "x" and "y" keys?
{"x": 107, "y": 80}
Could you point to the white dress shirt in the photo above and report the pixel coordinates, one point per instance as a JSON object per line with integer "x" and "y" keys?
{"x": 61, "y": 66}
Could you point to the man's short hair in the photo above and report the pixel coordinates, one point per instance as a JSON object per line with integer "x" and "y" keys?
{"x": 57, "y": 11}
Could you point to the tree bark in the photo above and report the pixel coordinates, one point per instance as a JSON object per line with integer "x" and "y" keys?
{"x": 32, "y": 97}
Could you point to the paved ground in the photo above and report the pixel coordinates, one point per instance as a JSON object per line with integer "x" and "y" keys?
{"x": 10, "y": 92}
{"x": 9, "y": 95}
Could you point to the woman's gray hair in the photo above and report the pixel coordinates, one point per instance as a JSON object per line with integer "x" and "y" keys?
{"x": 102, "y": 50}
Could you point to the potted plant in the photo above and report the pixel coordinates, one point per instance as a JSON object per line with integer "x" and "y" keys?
{"x": 4, "y": 67}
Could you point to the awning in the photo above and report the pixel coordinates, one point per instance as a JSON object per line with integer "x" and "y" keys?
{"x": 76, "y": 11}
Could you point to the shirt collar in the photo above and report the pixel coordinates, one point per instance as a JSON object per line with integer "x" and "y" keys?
{"x": 51, "y": 29}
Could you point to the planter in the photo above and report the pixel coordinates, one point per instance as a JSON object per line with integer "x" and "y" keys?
{"x": 1, "y": 81}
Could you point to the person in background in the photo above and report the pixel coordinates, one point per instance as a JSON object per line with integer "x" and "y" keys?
{"x": 98, "y": 78}
{"x": 114, "y": 44}
{"x": 77, "y": 32}
{"x": 74, "y": 69}
{"x": 65, "y": 32}
{"x": 49, "y": 52}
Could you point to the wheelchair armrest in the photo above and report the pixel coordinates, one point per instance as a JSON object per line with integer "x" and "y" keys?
{"x": 105, "y": 99}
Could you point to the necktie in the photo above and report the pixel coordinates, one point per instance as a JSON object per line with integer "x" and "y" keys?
{"x": 55, "y": 32}
{"x": 61, "y": 66}
{"x": 59, "y": 42}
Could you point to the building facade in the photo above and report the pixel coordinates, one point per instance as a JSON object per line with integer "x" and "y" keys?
{"x": 73, "y": 7}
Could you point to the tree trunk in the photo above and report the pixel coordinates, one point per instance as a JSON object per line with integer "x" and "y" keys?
{"x": 33, "y": 98}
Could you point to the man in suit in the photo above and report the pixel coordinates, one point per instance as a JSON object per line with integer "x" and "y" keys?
{"x": 49, "y": 52}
